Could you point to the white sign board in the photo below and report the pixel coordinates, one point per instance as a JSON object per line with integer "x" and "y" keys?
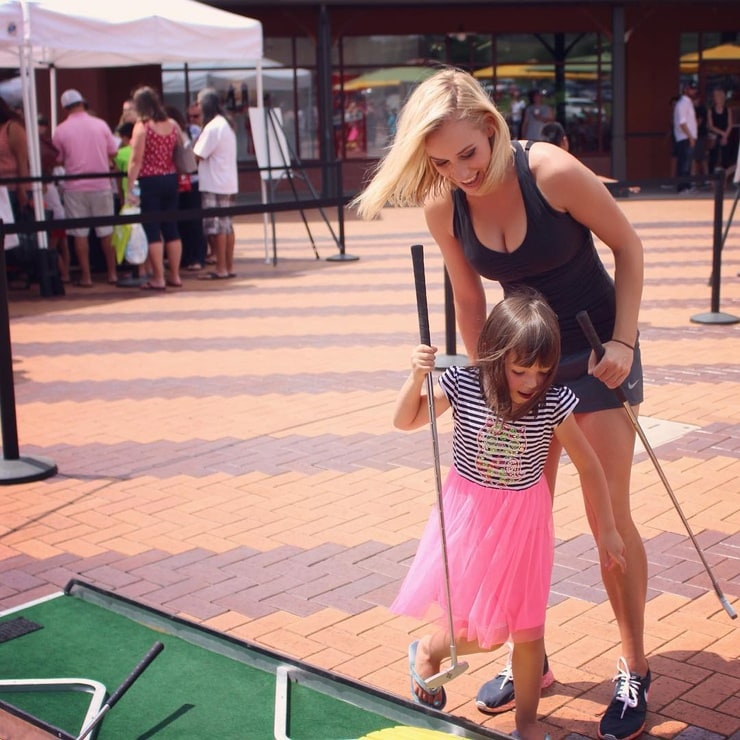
{"x": 270, "y": 144}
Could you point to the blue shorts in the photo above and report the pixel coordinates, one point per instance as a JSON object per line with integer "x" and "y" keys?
{"x": 592, "y": 393}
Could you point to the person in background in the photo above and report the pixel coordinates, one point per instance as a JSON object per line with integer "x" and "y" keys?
{"x": 554, "y": 133}
{"x": 195, "y": 121}
{"x": 535, "y": 116}
{"x": 215, "y": 150}
{"x": 524, "y": 214}
{"x": 699, "y": 164}
{"x": 86, "y": 146}
{"x": 516, "y": 111}
{"x": 674, "y": 160}
{"x": 53, "y": 199}
{"x": 685, "y": 131}
{"x": 128, "y": 112}
{"x": 719, "y": 125}
{"x": 152, "y": 164}
{"x": 188, "y": 199}
{"x": 14, "y": 158}
{"x": 124, "y": 131}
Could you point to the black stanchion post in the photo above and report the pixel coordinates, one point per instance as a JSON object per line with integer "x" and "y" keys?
{"x": 341, "y": 256}
{"x": 450, "y": 357}
{"x": 715, "y": 316}
{"x": 13, "y": 467}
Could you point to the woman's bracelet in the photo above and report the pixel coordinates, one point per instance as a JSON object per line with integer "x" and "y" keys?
{"x": 619, "y": 341}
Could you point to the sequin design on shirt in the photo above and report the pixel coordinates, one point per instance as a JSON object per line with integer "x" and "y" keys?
{"x": 494, "y": 452}
{"x": 501, "y": 447}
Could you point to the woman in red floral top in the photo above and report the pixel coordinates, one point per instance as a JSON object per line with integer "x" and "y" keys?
{"x": 152, "y": 147}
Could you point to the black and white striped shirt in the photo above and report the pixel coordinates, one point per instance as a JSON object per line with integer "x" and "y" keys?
{"x": 496, "y": 453}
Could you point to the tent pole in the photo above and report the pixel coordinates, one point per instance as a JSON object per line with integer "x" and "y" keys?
{"x": 53, "y": 96}
{"x": 263, "y": 187}
{"x": 30, "y": 113}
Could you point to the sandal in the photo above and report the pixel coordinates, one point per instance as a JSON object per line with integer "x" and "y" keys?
{"x": 439, "y": 695}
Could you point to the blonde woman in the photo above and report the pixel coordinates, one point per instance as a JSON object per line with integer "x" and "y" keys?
{"x": 522, "y": 213}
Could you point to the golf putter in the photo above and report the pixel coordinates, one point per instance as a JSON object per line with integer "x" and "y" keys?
{"x": 456, "y": 668}
{"x": 143, "y": 664}
{"x": 587, "y": 327}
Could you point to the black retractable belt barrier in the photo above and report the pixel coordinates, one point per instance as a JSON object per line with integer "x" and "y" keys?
{"x": 715, "y": 316}
{"x": 13, "y": 467}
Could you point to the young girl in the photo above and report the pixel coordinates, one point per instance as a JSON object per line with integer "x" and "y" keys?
{"x": 497, "y": 504}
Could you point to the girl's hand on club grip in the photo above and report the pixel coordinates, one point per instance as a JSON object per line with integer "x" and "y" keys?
{"x": 422, "y": 360}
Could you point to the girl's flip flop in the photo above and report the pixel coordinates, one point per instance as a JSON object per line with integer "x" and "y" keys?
{"x": 440, "y": 696}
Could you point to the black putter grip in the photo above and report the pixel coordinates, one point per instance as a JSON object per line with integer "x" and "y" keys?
{"x": 154, "y": 651}
{"x": 584, "y": 321}
{"x": 417, "y": 258}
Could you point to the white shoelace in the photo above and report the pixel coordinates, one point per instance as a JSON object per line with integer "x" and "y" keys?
{"x": 506, "y": 674}
{"x": 628, "y": 686}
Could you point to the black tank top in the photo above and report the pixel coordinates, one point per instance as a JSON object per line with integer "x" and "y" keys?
{"x": 557, "y": 258}
{"x": 720, "y": 120}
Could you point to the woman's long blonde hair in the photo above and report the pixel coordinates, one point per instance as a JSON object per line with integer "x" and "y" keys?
{"x": 405, "y": 176}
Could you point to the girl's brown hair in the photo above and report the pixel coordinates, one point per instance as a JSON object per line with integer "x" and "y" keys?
{"x": 524, "y": 326}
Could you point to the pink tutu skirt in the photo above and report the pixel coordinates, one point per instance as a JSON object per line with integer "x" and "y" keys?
{"x": 500, "y": 552}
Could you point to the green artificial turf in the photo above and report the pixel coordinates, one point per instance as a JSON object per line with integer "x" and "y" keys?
{"x": 187, "y": 692}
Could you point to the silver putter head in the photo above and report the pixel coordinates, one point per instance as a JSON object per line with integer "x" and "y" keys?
{"x": 441, "y": 678}
{"x": 728, "y": 607}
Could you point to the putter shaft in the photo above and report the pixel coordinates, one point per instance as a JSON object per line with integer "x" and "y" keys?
{"x": 587, "y": 326}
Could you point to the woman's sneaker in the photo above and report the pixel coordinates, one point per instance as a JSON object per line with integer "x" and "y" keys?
{"x": 497, "y": 695}
{"x": 624, "y": 718}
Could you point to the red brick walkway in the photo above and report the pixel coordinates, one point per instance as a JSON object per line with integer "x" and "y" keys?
{"x": 226, "y": 454}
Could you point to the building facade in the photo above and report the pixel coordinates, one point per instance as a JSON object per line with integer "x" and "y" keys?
{"x": 609, "y": 71}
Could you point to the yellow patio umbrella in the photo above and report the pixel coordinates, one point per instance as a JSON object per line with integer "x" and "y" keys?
{"x": 528, "y": 71}
{"x": 720, "y": 53}
{"x": 389, "y": 77}
{"x": 574, "y": 70}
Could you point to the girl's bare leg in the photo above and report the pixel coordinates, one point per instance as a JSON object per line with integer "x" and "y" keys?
{"x": 526, "y": 665}
{"x": 435, "y": 648}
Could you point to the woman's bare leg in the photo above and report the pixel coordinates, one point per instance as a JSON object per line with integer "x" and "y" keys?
{"x": 156, "y": 261}
{"x": 613, "y": 438}
{"x": 174, "y": 256}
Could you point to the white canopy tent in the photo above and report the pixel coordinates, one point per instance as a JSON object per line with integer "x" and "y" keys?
{"x": 221, "y": 75}
{"x": 96, "y": 33}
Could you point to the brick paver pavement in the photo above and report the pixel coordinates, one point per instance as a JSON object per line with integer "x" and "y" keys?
{"x": 226, "y": 454}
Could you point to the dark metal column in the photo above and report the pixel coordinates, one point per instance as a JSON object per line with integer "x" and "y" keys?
{"x": 326, "y": 128}
{"x": 619, "y": 95}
